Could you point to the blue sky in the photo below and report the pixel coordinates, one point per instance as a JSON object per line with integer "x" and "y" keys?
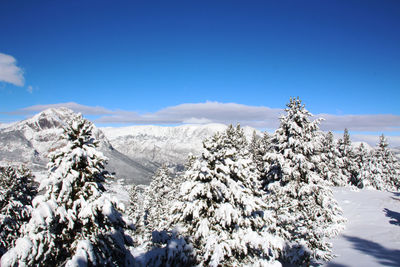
{"x": 145, "y": 57}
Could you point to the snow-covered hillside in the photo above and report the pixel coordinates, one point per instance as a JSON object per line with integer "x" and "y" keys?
{"x": 372, "y": 234}
{"x": 134, "y": 152}
{"x": 30, "y": 141}
{"x": 163, "y": 144}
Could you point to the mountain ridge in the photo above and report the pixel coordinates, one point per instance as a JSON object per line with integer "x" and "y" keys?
{"x": 30, "y": 141}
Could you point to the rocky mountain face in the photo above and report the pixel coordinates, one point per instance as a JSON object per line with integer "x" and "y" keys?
{"x": 30, "y": 141}
{"x": 161, "y": 144}
{"x": 134, "y": 153}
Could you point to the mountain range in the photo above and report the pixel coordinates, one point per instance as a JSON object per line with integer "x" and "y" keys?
{"x": 134, "y": 153}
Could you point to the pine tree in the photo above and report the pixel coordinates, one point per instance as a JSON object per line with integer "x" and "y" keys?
{"x": 135, "y": 213}
{"x": 389, "y": 165}
{"x": 159, "y": 195}
{"x": 73, "y": 223}
{"x": 303, "y": 204}
{"x": 362, "y": 162}
{"x": 381, "y": 171}
{"x": 220, "y": 210}
{"x": 189, "y": 161}
{"x": 327, "y": 158}
{"x": 331, "y": 163}
{"x": 371, "y": 174}
{"x": 17, "y": 189}
{"x": 348, "y": 169}
{"x": 254, "y": 144}
{"x": 258, "y": 148}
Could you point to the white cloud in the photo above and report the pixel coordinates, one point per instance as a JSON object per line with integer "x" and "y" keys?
{"x": 255, "y": 116}
{"x": 197, "y": 121}
{"x": 9, "y": 71}
{"x": 86, "y": 110}
{"x": 362, "y": 123}
{"x": 373, "y": 140}
{"x": 30, "y": 89}
{"x": 208, "y": 112}
{"x": 216, "y": 112}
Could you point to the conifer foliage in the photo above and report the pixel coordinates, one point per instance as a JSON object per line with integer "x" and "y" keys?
{"x": 258, "y": 147}
{"x": 135, "y": 209}
{"x": 363, "y": 166}
{"x": 73, "y": 223}
{"x": 380, "y": 169}
{"x": 158, "y": 196}
{"x": 17, "y": 190}
{"x": 331, "y": 162}
{"x": 347, "y": 170}
{"x": 389, "y": 165}
{"x": 304, "y": 207}
{"x": 219, "y": 209}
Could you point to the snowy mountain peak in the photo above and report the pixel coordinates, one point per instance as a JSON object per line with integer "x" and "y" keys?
{"x": 31, "y": 140}
{"x": 50, "y": 118}
{"x": 183, "y": 132}
{"x": 53, "y": 118}
{"x": 164, "y": 144}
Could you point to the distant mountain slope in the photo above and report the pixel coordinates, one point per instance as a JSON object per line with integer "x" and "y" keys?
{"x": 162, "y": 144}
{"x": 30, "y": 141}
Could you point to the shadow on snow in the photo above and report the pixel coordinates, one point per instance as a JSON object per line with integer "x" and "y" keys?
{"x": 332, "y": 264}
{"x": 396, "y": 194}
{"x": 385, "y": 256}
{"x": 393, "y": 215}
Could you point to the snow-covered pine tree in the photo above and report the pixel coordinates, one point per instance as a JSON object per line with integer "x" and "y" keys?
{"x": 371, "y": 174}
{"x": 17, "y": 189}
{"x": 330, "y": 165}
{"x": 258, "y": 148}
{"x": 362, "y": 163}
{"x": 348, "y": 167}
{"x": 254, "y": 144}
{"x": 159, "y": 196}
{"x": 387, "y": 165}
{"x": 303, "y": 204}
{"x": 135, "y": 212}
{"x": 73, "y": 223}
{"x": 181, "y": 178}
{"x": 189, "y": 161}
{"x": 380, "y": 170}
{"x": 220, "y": 210}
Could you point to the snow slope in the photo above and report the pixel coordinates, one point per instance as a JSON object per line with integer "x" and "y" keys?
{"x": 372, "y": 234}
{"x": 163, "y": 144}
{"x": 31, "y": 140}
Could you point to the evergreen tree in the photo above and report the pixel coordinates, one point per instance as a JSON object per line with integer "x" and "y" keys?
{"x": 254, "y": 144}
{"x": 381, "y": 171}
{"x": 362, "y": 162}
{"x": 136, "y": 213}
{"x": 348, "y": 168}
{"x": 17, "y": 190}
{"x": 258, "y": 148}
{"x": 303, "y": 204}
{"x": 73, "y": 223}
{"x": 159, "y": 195}
{"x": 220, "y": 210}
{"x": 331, "y": 163}
{"x": 370, "y": 175}
{"x": 190, "y": 161}
{"x": 388, "y": 164}
{"x": 327, "y": 158}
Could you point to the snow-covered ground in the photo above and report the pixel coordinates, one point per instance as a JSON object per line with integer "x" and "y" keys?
{"x": 372, "y": 234}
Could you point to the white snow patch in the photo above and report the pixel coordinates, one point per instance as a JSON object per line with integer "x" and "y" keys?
{"x": 372, "y": 234}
